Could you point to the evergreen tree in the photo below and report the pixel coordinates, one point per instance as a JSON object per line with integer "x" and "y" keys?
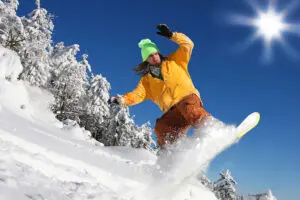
{"x": 122, "y": 131}
{"x": 269, "y": 196}
{"x": 34, "y": 53}
{"x": 13, "y": 4}
{"x": 98, "y": 95}
{"x": 69, "y": 81}
{"x": 11, "y": 27}
{"x": 97, "y": 109}
{"x": 263, "y": 196}
{"x": 205, "y": 181}
{"x": 38, "y": 4}
{"x": 225, "y": 187}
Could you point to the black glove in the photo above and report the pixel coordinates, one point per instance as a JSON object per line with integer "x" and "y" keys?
{"x": 164, "y": 31}
{"x": 115, "y": 100}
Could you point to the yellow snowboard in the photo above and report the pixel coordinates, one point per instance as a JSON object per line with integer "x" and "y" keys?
{"x": 248, "y": 124}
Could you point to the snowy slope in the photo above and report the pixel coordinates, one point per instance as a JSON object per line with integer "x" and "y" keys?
{"x": 41, "y": 159}
{"x": 32, "y": 140}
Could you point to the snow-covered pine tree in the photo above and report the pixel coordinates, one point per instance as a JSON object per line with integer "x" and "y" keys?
{"x": 205, "y": 181}
{"x": 11, "y": 27}
{"x": 122, "y": 131}
{"x": 98, "y": 94}
{"x": 38, "y": 30}
{"x": 38, "y": 4}
{"x": 268, "y": 196}
{"x": 112, "y": 126}
{"x": 97, "y": 109}
{"x": 225, "y": 187}
{"x": 13, "y": 4}
{"x": 142, "y": 137}
{"x": 263, "y": 196}
{"x": 68, "y": 82}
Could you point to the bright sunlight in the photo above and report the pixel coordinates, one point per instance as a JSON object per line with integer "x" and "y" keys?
{"x": 270, "y": 26}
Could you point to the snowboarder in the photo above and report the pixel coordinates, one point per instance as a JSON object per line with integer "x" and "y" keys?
{"x": 166, "y": 81}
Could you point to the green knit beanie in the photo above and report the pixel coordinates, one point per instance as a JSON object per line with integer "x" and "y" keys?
{"x": 147, "y": 48}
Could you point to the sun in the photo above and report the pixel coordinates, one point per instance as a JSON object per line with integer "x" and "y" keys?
{"x": 270, "y": 25}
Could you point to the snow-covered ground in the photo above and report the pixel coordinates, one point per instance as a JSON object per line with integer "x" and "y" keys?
{"x": 42, "y": 159}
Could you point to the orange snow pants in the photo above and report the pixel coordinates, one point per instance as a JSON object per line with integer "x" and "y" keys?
{"x": 178, "y": 119}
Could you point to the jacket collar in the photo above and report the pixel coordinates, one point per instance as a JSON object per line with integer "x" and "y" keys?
{"x": 147, "y": 66}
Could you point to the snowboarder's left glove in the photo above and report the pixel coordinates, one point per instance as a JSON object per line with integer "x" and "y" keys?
{"x": 164, "y": 31}
{"x": 115, "y": 100}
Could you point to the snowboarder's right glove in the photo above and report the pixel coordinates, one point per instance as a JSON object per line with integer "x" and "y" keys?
{"x": 164, "y": 31}
{"x": 115, "y": 100}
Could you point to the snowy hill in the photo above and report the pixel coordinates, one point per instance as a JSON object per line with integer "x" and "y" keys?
{"x": 40, "y": 158}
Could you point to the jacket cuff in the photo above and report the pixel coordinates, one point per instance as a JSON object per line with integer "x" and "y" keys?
{"x": 122, "y": 101}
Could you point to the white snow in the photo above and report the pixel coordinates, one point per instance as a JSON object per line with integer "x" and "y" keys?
{"x": 10, "y": 64}
{"x": 40, "y": 158}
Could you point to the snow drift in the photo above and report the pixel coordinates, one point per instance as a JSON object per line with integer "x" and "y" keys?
{"x": 10, "y": 64}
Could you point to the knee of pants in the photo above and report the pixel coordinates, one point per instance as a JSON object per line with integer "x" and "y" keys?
{"x": 164, "y": 132}
{"x": 161, "y": 127}
{"x": 196, "y": 114}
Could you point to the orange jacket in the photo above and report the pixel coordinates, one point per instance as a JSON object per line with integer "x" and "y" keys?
{"x": 177, "y": 82}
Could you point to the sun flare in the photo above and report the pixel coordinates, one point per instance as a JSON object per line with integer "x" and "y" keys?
{"x": 270, "y": 25}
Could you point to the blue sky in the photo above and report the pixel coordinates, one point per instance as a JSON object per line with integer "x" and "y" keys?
{"x": 233, "y": 81}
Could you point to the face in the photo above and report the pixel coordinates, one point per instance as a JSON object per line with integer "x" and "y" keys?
{"x": 154, "y": 59}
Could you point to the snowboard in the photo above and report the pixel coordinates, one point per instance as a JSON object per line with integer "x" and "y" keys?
{"x": 243, "y": 128}
{"x": 248, "y": 124}
{"x": 173, "y": 185}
